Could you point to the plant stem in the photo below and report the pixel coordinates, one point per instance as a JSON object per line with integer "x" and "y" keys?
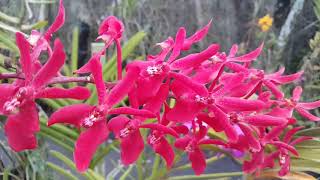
{"x": 59, "y": 79}
{"x": 155, "y": 168}
{"x": 206, "y": 176}
{"x": 61, "y": 171}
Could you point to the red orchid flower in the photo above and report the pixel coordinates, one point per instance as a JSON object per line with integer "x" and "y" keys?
{"x": 191, "y": 145}
{"x": 17, "y": 100}
{"x": 41, "y": 42}
{"x": 156, "y": 70}
{"x": 260, "y": 160}
{"x": 93, "y": 118}
{"x": 128, "y": 132}
{"x": 301, "y": 107}
{"x": 110, "y": 30}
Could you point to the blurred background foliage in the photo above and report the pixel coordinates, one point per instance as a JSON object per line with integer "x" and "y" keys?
{"x": 289, "y": 29}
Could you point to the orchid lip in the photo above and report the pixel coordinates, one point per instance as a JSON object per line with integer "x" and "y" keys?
{"x": 154, "y": 139}
{"x": 129, "y": 128}
{"x": 93, "y": 117}
{"x": 190, "y": 147}
{"x": 12, "y": 105}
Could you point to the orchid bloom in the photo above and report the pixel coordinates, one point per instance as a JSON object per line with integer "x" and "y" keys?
{"x": 93, "y": 118}
{"x": 17, "y": 100}
{"x": 191, "y": 145}
{"x": 41, "y": 42}
{"x": 110, "y": 30}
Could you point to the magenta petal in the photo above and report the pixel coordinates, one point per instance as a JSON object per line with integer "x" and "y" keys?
{"x": 198, "y": 161}
{"x": 78, "y": 92}
{"x": 301, "y": 139}
{"x": 123, "y": 87}
{"x": 196, "y": 87}
{"x": 238, "y": 104}
{"x": 180, "y": 37}
{"x": 310, "y": 105}
{"x": 7, "y": 91}
{"x": 132, "y": 111}
{"x": 285, "y": 146}
{"x": 296, "y": 94}
{"x": 184, "y": 111}
{"x": 265, "y": 120}
{"x": 72, "y": 114}
{"x": 253, "y": 142}
{"x": 288, "y": 136}
{"x": 307, "y": 114}
{"x": 233, "y": 51}
{"x": 58, "y": 22}
{"x": 274, "y": 133}
{"x": 154, "y": 104}
{"x": 52, "y": 67}
{"x": 274, "y": 89}
{"x": 213, "y": 141}
{"x": 194, "y": 60}
{"x": 164, "y": 149}
{"x": 131, "y": 147}
{"x": 95, "y": 67}
{"x": 87, "y": 144}
{"x": 161, "y": 128}
{"x": 285, "y": 168}
{"x": 20, "y": 129}
{"x": 288, "y": 78}
{"x": 25, "y": 60}
{"x": 196, "y": 37}
{"x": 250, "y": 56}
{"x": 117, "y": 123}
{"x": 183, "y": 142}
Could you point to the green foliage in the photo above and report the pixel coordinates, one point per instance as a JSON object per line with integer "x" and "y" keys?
{"x": 316, "y": 8}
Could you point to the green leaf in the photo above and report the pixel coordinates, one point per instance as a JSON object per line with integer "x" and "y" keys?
{"x": 312, "y": 144}
{"x": 314, "y": 132}
{"x": 309, "y": 154}
{"x": 61, "y": 171}
{"x": 8, "y": 18}
{"x": 37, "y": 25}
{"x": 10, "y": 43}
{"x": 89, "y": 174}
{"x": 206, "y": 176}
{"x": 75, "y": 47}
{"x": 305, "y": 165}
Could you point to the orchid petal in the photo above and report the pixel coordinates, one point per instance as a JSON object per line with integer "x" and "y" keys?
{"x": 58, "y": 22}
{"x": 307, "y": 114}
{"x": 184, "y": 111}
{"x": 52, "y": 67}
{"x": 233, "y": 51}
{"x": 288, "y": 136}
{"x": 265, "y": 120}
{"x": 285, "y": 146}
{"x": 183, "y": 142}
{"x": 180, "y": 37}
{"x": 154, "y": 105}
{"x": 77, "y": 92}
{"x": 296, "y": 94}
{"x": 196, "y": 87}
{"x": 160, "y": 128}
{"x": 25, "y": 60}
{"x": 248, "y": 57}
{"x": 274, "y": 89}
{"x": 117, "y": 123}
{"x": 194, "y": 60}
{"x": 132, "y": 111}
{"x": 20, "y": 128}
{"x": 87, "y": 144}
{"x": 310, "y": 105}
{"x": 237, "y": 104}
{"x": 123, "y": 87}
{"x": 198, "y": 161}
{"x": 72, "y": 114}
{"x": 164, "y": 149}
{"x": 131, "y": 147}
{"x": 253, "y": 142}
{"x": 196, "y": 37}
